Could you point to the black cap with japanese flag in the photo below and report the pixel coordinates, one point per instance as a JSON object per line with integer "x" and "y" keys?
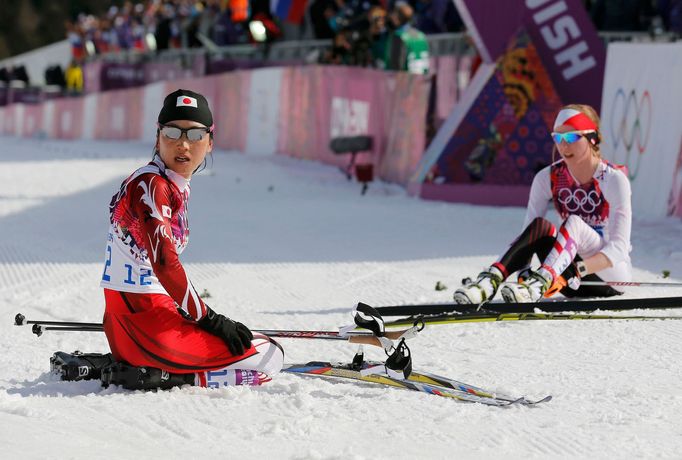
{"x": 184, "y": 104}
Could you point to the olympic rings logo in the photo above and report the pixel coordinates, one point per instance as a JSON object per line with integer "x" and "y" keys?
{"x": 630, "y": 120}
{"x": 579, "y": 199}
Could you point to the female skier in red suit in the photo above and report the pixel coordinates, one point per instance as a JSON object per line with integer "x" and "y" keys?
{"x": 154, "y": 316}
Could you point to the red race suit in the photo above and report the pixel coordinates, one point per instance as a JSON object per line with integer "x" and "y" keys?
{"x": 151, "y": 305}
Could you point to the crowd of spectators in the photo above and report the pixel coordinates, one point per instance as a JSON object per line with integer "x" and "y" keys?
{"x": 180, "y": 23}
{"x": 156, "y": 25}
{"x": 386, "y": 34}
{"x": 361, "y": 30}
{"x": 366, "y": 33}
{"x": 357, "y": 28}
{"x": 163, "y": 24}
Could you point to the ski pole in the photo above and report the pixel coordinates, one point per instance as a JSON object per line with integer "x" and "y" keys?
{"x": 353, "y": 336}
{"x": 362, "y": 337}
{"x": 20, "y": 320}
{"x": 631, "y": 283}
{"x": 38, "y": 329}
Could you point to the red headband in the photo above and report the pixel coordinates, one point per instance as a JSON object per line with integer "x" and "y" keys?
{"x": 576, "y": 119}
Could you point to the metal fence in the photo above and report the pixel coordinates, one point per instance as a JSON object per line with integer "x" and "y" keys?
{"x": 285, "y": 51}
{"x": 308, "y": 50}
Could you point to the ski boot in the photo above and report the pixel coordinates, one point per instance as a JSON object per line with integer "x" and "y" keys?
{"x": 143, "y": 378}
{"x": 531, "y": 289}
{"x": 79, "y": 366}
{"x": 481, "y": 290}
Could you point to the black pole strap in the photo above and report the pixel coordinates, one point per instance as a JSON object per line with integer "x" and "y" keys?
{"x": 399, "y": 363}
{"x": 367, "y": 317}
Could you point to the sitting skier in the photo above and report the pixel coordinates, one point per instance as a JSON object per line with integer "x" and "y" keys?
{"x": 154, "y": 316}
{"x": 592, "y": 197}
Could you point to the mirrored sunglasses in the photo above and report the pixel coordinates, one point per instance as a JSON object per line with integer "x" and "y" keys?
{"x": 192, "y": 134}
{"x": 569, "y": 137}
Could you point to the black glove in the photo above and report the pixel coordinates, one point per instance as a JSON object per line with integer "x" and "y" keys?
{"x": 237, "y": 337}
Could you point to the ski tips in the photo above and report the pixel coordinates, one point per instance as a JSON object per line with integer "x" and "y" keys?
{"x": 528, "y": 402}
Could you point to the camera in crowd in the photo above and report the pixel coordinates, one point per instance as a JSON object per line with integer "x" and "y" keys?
{"x": 362, "y": 39}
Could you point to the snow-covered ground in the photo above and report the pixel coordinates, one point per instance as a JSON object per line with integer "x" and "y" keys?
{"x": 280, "y": 243}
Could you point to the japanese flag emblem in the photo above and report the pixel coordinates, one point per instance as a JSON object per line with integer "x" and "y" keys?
{"x": 186, "y": 101}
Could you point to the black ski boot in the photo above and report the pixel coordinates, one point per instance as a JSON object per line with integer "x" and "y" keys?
{"x": 143, "y": 378}
{"x": 79, "y": 366}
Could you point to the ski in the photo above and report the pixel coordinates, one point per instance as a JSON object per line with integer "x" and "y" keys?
{"x": 494, "y": 317}
{"x": 548, "y": 306}
{"x": 421, "y": 382}
{"x": 433, "y": 379}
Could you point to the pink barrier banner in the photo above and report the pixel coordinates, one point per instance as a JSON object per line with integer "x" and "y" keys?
{"x": 68, "y": 118}
{"x": 445, "y": 69}
{"x": 231, "y": 110}
{"x": 452, "y": 78}
{"x": 119, "y": 114}
{"x": 320, "y": 103}
{"x": 91, "y": 77}
{"x": 10, "y": 123}
{"x": 299, "y": 126}
{"x": 33, "y": 120}
{"x": 352, "y": 102}
{"x": 406, "y": 131}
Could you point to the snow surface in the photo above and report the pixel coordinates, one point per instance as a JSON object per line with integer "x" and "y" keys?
{"x": 283, "y": 243}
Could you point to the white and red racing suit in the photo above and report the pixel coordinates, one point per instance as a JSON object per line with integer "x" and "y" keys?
{"x": 597, "y": 216}
{"x": 151, "y": 305}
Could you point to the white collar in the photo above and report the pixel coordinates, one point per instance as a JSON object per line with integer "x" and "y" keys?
{"x": 180, "y": 182}
{"x": 177, "y": 179}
